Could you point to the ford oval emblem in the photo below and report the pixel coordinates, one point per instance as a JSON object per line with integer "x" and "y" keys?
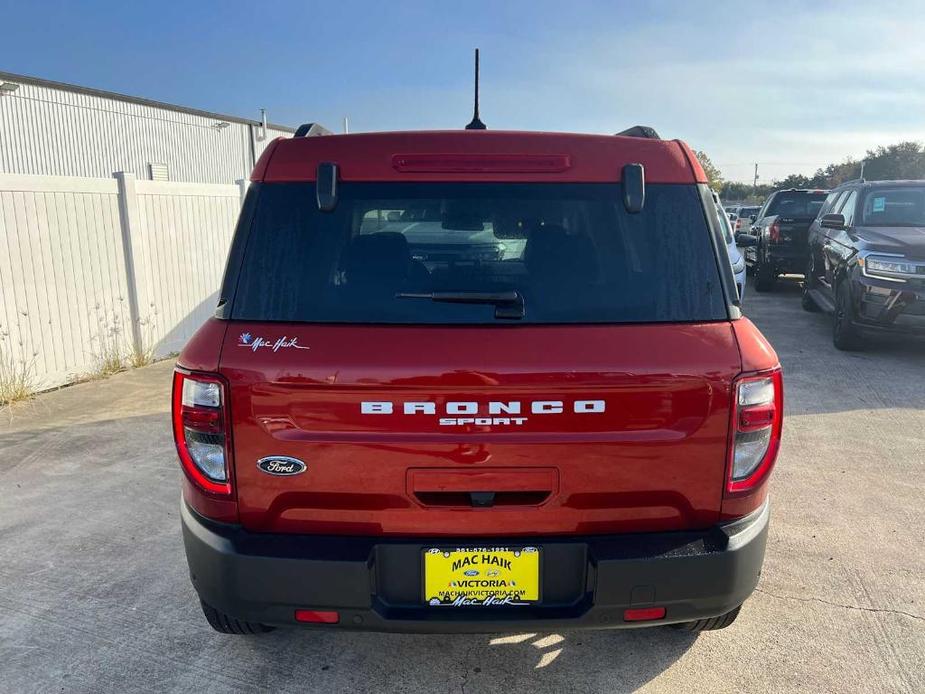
{"x": 281, "y": 465}
{"x": 471, "y": 572}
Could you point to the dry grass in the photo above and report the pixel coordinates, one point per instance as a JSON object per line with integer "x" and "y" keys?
{"x": 145, "y": 355}
{"x": 17, "y": 373}
{"x": 109, "y": 353}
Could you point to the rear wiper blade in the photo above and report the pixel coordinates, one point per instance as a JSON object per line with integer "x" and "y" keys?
{"x": 508, "y": 305}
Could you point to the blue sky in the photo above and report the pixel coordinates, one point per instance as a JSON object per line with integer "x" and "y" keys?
{"x": 791, "y": 85}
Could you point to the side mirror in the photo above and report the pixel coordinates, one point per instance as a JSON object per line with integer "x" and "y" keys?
{"x": 753, "y": 217}
{"x": 634, "y": 187}
{"x": 746, "y": 241}
{"x": 832, "y": 221}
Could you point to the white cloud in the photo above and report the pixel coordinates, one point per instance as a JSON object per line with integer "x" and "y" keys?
{"x": 792, "y": 87}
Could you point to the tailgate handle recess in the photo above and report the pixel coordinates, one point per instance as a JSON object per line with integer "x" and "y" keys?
{"x": 485, "y": 488}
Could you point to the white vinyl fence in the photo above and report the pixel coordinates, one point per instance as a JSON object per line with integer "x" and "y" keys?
{"x": 92, "y": 267}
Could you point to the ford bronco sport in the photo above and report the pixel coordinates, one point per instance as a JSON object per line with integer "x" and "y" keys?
{"x": 476, "y": 381}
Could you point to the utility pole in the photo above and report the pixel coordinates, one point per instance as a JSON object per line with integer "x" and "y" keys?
{"x": 755, "y": 183}
{"x": 346, "y": 125}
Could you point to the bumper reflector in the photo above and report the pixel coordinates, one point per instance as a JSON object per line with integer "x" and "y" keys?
{"x": 316, "y": 617}
{"x": 643, "y": 614}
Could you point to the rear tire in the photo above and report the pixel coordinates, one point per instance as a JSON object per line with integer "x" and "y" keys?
{"x": 711, "y": 624}
{"x": 806, "y": 299}
{"x": 225, "y": 624}
{"x": 844, "y": 335}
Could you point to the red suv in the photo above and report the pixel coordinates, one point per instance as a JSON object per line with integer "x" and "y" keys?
{"x": 476, "y": 381}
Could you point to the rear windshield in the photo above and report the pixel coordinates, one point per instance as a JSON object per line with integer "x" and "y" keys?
{"x": 748, "y": 211}
{"x": 571, "y": 252}
{"x": 797, "y": 204}
{"x": 893, "y": 207}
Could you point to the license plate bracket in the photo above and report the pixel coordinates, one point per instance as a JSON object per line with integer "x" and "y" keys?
{"x": 481, "y": 576}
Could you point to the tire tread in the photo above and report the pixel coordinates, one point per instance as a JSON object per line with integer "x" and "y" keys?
{"x": 711, "y": 623}
{"x": 226, "y": 624}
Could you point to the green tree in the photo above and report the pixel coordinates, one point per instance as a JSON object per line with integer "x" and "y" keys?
{"x": 794, "y": 181}
{"x": 714, "y": 177}
{"x": 733, "y": 191}
{"x": 904, "y": 160}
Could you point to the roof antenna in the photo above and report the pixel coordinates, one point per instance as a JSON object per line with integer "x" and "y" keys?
{"x": 475, "y": 123}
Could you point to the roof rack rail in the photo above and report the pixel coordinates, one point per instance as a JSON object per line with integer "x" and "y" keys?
{"x": 311, "y": 130}
{"x": 853, "y": 180}
{"x": 640, "y": 131}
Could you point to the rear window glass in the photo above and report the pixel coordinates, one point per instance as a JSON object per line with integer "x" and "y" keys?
{"x": 571, "y": 252}
{"x": 748, "y": 211}
{"x": 796, "y": 204}
{"x": 889, "y": 207}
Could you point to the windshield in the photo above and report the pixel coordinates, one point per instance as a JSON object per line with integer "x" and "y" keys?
{"x": 571, "y": 252}
{"x": 894, "y": 207}
{"x": 797, "y": 204}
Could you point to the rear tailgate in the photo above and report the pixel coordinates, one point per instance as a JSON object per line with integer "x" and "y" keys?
{"x": 794, "y": 234}
{"x": 639, "y": 444}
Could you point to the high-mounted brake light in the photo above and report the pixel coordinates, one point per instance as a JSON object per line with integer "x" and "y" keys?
{"x": 757, "y": 418}
{"x": 200, "y": 430}
{"x": 481, "y": 163}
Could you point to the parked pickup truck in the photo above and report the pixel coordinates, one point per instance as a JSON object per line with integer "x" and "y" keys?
{"x": 383, "y": 429}
{"x": 780, "y": 235}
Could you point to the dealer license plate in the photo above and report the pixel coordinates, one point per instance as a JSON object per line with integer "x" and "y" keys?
{"x": 481, "y": 576}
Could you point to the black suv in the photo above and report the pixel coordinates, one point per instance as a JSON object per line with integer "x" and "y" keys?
{"x": 866, "y": 260}
{"x": 779, "y": 232}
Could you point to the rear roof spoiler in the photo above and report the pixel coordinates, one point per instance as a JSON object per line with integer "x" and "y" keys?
{"x": 311, "y": 130}
{"x": 640, "y": 131}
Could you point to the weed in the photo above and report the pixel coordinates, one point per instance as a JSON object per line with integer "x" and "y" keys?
{"x": 17, "y": 368}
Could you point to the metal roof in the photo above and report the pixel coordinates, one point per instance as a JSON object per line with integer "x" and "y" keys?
{"x": 64, "y": 86}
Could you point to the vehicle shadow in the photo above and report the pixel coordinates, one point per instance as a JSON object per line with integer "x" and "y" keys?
{"x": 614, "y": 660}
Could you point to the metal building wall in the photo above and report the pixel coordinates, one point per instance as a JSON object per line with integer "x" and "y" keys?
{"x": 51, "y": 131}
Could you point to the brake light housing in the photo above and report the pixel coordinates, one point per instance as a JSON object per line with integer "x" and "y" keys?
{"x": 202, "y": 431}
{"x": 755, "y": 431}
{"x": 774, "y": 232}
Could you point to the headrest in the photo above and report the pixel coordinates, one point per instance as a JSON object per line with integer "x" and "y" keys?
{"x": 383, "y": 255}
{"x": 552, "y": 251}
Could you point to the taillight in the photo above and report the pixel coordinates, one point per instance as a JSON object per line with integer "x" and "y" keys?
{"x": 774, "y": 232}
{"x": 738, "y": 224}
{"x": 200, "y": 430}
{"x": 757, "y": 418}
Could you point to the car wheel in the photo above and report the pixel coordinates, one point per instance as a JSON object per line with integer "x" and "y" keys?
{"x": 844, "y": 335}
{"x": 711, "y": 624}
{"x": 809, "y": 282}
{"x": 765, "y": 276}
{"x": 225, "y": 624}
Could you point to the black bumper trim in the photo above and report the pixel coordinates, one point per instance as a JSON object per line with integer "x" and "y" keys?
{"x": 374, "y": 582}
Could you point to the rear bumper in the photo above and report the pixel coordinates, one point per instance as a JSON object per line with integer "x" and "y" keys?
{"x": 886, "y": 307}
{"x": 375, "y": 583}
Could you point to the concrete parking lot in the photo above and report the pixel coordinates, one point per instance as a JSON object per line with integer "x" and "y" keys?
{"x": 94, "y": 594}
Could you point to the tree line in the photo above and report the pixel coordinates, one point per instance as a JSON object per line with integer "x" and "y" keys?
{"x": 904, "y": 160}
